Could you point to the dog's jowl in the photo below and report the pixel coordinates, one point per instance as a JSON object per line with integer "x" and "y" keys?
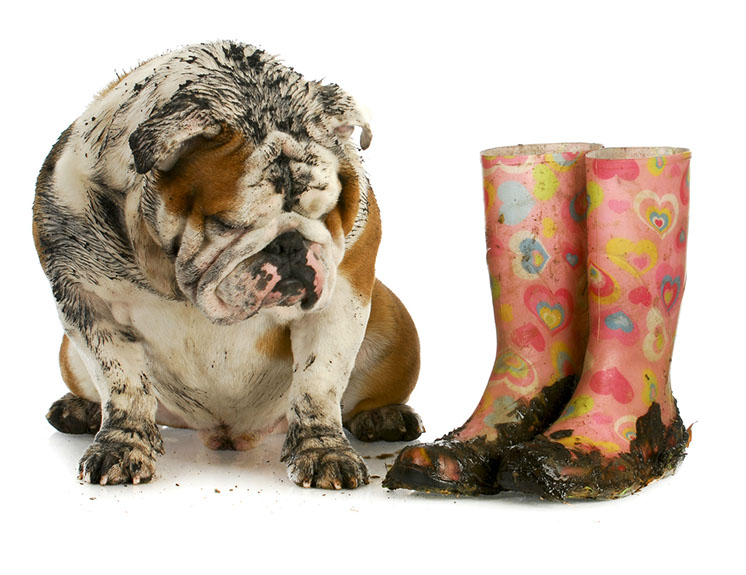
{"x": 210, "y": 238}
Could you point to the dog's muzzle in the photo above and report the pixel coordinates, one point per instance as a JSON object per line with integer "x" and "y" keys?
{"x": 286, "y": 272}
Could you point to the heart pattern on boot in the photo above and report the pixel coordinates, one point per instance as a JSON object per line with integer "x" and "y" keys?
{"x": 517, "y": 202}
{"x": 529, "y": 335}
{"x": 670, "y": 285}
{"x": 612, "y": 382}
{"x": 531, "y": 256}
{"x": 515, "y": 371}
{"x": 619, "y": 206}
{"x": 618, "y": 325}
{"x": 636, "y": 258}
{"x": 602, "y": 286}
{"x": 641, "y": 295}
{"x": 661, "y": 214}
{"x": 554, "y": 310}
{"x": 656, "y": 342}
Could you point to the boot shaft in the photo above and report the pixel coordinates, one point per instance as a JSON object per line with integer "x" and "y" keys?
{"x": 535, "y": 210}
{"x": 638, "y": 213}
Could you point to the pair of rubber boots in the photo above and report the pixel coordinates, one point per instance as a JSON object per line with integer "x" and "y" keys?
{"x": 586, "y": 249}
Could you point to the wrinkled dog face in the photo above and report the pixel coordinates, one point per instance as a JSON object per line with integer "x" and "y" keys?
{"x": 244, "y": 219}
{"x": 261, "y": 244}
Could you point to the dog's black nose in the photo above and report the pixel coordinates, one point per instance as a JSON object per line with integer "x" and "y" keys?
{"x": 289, "y": 245}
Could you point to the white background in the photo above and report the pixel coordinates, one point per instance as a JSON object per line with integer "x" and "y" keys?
{"x": 442, "y": 82}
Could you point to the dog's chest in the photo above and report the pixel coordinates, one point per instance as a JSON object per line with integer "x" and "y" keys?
{"x": 209, "y": 374}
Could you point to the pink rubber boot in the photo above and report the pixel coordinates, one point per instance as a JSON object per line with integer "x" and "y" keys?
{"x": 536, "y": 206}
{"x": 621, "y": 429}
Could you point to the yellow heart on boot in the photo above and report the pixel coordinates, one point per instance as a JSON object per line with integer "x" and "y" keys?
{"x": 635, "y": 258}
{"x": 551, "y": 317}
{"x": 545, "y": 183}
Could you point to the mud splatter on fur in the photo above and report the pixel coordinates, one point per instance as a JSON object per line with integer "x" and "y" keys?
{"x": 208, "y": 199}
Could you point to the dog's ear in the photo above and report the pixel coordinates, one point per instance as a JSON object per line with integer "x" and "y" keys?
{"x": 169, "y": 133}
{"x": 340, "y": 114}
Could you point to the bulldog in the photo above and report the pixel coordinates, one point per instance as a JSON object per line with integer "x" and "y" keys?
{"x": 210, "y": 237}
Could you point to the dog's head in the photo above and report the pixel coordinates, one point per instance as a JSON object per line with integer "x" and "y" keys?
{"x": 250, "y": 185}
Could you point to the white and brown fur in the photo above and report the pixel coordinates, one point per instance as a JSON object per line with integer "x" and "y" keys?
{"x": 205, "y": 154}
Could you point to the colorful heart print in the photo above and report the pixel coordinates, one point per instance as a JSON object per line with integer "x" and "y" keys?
{"x": 528, "y": 335}
{"x": 656, "y": 165}
{"x": 602, "y": 287}
{"x": 595, "y": 195}
{"x": 579, "y": 206}
{"x": 553, "y": 316}
{"x": 554, "y": 310}
{"x": 564, "y": 161}
{"x": 637, "y": 258}
{"x": 615, "y": 324}
{"x": 626, "y": 427}
{"x": 657, "y": 341}
{"x": 562, "y": 359}
{"x": 661, "y": 214}
{"x": 517, "y": 202}
{"x": 623, "y": 169}
{"x": 545, "y": 182}
{"x": 619, "y": 206}
{"x": 641, "y": 295}
{"x": 515, "y": 371}
{"x": 501, "y": 410}
{"x": 659, "y": 219}
{"x": 579, "y": 405}
{"x": 670, "y": 283}
{"x": 531, "y": 257}
{"x": 670, "y": 288}
{"x": 619, "y": 321}
{"x": 572, "y": 255}
{"x": 612, "y": 382}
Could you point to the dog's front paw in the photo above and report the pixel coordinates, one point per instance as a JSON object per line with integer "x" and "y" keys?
{"x": 322, "y": 459}
{"x": 111, "y": 462}
{"x": 328, "y": 469}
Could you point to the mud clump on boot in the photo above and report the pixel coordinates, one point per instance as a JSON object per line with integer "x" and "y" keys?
{"x": 446, "y": 467}
{"x": 556, "y": 472}
{"x": 450, "y": 466}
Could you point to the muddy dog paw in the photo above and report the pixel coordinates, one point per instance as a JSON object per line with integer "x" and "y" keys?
{"x": 322, "y": 459}
{"x": 388, "y": 423}
{"x": 73, "y": 414}
{"x": 112, "y": 460}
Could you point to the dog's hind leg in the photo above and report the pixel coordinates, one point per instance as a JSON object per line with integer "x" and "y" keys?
{"x": 386, "y": 370}
{"x": 79, "y": 411}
